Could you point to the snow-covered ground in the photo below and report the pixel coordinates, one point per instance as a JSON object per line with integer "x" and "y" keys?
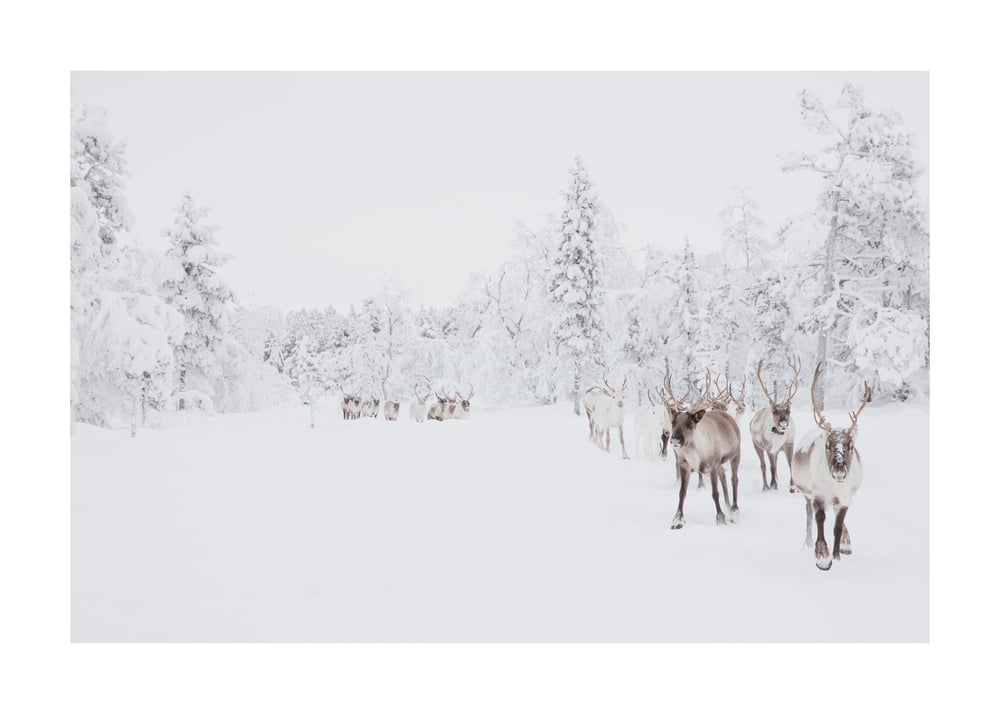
{"x": 511, "y": 526}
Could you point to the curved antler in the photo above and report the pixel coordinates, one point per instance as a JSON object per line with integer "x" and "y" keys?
{"x": 855, "y": 415}
{"x": 794, "y": 386}
{"x": 761, "y": 380}
{"x": 817, "y": 414}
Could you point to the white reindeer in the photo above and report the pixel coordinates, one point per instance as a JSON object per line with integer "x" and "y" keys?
{"x": 773, "y": 430}
{"x": 827, "y": 470}
{"x": 608, "y": 414}
{"x": 652, "y": 427}
{"x": 418, "y": 407}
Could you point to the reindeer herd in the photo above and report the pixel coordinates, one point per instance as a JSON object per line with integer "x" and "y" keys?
{"x": 705, "y": 436}
{"x": 455, "y": 406}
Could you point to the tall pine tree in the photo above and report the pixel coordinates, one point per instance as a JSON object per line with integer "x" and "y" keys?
{"x": 195, "y": 288}
{"x": 575, "y": 285}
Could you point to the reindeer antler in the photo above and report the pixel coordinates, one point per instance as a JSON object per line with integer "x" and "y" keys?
{"x": 855, "y": 415}
{"x": 817, "y": 414}
{"x": 794, "y": 386}
{"x": 761, "y": 380}
{"x": 705, "y": 399}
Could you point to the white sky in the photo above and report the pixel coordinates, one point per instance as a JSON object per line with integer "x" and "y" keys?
{"x": 323, "y": 183}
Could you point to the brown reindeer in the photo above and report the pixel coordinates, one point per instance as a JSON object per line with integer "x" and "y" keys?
{"x": 827, "y": 470}
{"x": 773, "y": 430}
{"x": 438, "y": 408}
{"x": 704, "y": 441}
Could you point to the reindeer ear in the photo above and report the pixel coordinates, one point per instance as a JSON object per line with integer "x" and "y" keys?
{"x": 696, "y": 417}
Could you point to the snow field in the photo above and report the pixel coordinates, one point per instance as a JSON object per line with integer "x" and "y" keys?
{"x": 510, "y": 526}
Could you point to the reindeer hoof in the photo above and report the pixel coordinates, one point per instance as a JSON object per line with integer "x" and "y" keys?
{"x": 720, "y": 519}
{"x": 734, "y": 515}
{"x": 845, "y": 549}
{"x": 625, "y": 457}
{"x": 677, "y": 524}
{"x": 823, "y": 560}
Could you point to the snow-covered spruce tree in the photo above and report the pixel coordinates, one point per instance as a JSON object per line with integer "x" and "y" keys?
{"x": 575, "y": 284}
{"x": 682, "y": 320}
{"x": 307, "y": 370}
{"x": 196, "y": 289}
{"x": 772, "y": 331}
{"x": 724, "y": 334}
{"x": 873, "y": 267}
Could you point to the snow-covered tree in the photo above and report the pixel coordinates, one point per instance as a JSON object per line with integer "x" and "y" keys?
{"x": 742, "y": 230}
{"x": 875, "y": 253}
{"x": 683, "y": 317}
{"x": 575, "y": 285}
{"x": 195, "y": 287}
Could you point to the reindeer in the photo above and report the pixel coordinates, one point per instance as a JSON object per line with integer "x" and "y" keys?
{"x": 417, "y": 406}
{"x": 355, "y": 412}
{"x": 374, "y": 413}
{"x": 438, "y": 409}
{"x": 827, "y": 470}
{"x": 391, "y": 410}
{"x": 705, "y": 440}
{"x": 738, "y": 405}
{"x": 345, "y": 405}
{"x": 652, "y": 430}
{"x": 773, "y": 430}
{"x": 459, "y": 409}
{"x": 590, "y": 400}
{"x": 608, "y": 414}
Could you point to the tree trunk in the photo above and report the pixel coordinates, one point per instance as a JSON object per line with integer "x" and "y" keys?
{"x": 821, "y": 339}
{"x": 183, "y": 380}
{"x": 135, "y": 414}
{"x": 576, "y": 389}
{"x": 312, "y": 415}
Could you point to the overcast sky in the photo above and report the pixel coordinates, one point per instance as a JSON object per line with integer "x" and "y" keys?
{"x": 323, "y": 183}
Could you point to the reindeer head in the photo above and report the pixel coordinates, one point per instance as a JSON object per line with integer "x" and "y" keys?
{"x": 463, "y": 402}
{"x": 685, "y": 417}
{"x": 617, "y": 395}
{"x": 781, "y": 412}
{"x": 420, "y": 400}
{"x": 739, "y": 402}
{"x": 839, "y": 447}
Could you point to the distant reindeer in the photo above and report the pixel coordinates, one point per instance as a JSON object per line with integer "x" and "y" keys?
{"x": 345, "y": 405}
{"x": 391, "y": 410}
{"x": 355, "y": 412}
{"x": 458, "y": 407}
{"x": 418, "y": 409}
{"x": 374, "y": 413}
{"x": 438, "y": 408}
{"x": 731, "y": 403}
{"x": 704, "y": 441}
{"x": 773, "y": 430}
{"x": 652, "y": 427}
{"x": 608, "y": 414}
{"x": 827, "y": 470}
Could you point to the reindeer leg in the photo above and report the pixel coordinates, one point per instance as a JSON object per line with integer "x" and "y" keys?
{"x": 720, "y": 517}
{"x": 773, "y": 458}
{"x": 684, "y": 474}
{"x": 838, "y": 531}
{"x": 788, "y": 454}
{"x": 763, "y": 466}
{"x": 845, "y": 541}
{"x": 823, "y": 560}
{"x": 621, "y": 438}
{"x": 809, "y": 525}
{"x": 725, "y": 488}
{"x": 734, "y": 468}
{"x": 701, "y": 479}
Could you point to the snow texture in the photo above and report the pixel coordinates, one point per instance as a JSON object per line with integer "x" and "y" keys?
{"x": 252, "y": 527}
